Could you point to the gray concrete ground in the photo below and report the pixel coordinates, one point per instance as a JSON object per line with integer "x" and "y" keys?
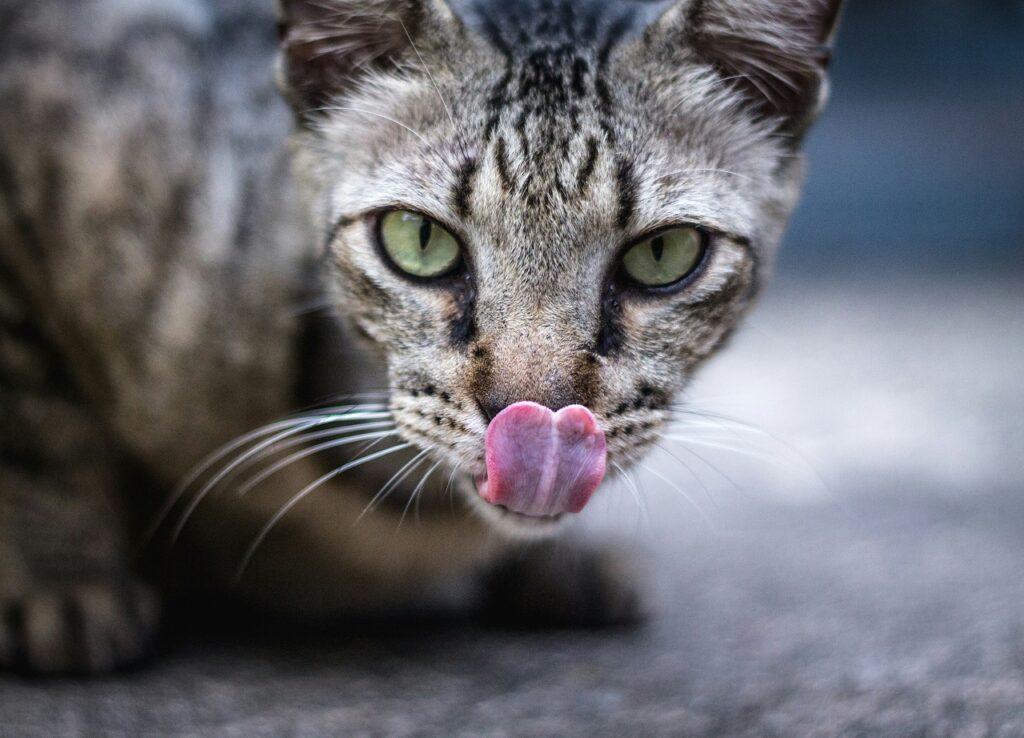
{"x": 859, "y": 572}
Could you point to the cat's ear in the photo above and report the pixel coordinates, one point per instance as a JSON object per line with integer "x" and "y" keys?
{"x": 327, "y": 46}
{"x": 776, "y": 52}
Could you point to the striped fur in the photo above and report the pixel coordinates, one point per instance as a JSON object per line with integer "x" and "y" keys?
{"x": 166, "y": 218}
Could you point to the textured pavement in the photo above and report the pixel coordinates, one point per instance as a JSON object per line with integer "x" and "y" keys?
{"x": 859, "y": 571}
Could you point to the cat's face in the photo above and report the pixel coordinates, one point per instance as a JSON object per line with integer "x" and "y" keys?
{"x": 569, "y": 207}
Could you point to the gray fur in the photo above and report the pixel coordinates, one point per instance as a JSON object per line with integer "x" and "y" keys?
{"x": 160, "y": 234}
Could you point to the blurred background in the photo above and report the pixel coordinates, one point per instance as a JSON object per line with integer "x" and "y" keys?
{"x": 837, "y": 533}
{"x": 919, "y": 162}
{"x": 890, "y": 346}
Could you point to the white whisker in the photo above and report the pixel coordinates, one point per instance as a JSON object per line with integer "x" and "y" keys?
{"x": 396, "y": 479}
{"x": 204, "y": 466}
{"x": 274, "y": 468}
{"x": 709, "y": 170}
{"x": 293, "y": 427}
{"x": 749, "y": 453}
{"x": 682, "y": 492}
{"x": 634, "y": 490}
{"x": 415, "y": 494}
{"x": 302, "y": 494}
{"x": 333, "y": 432}
{"x": 697, "y": 478}
{"x": 400, "y": 124}
{"x": 703, "y": 460}
{"x": 210, "y": 485}
{"x": 433, "y": 82}
{"x": 448, "y": 488}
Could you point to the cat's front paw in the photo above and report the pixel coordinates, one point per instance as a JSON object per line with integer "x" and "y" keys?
{"x": 79, "y": 628}
{"x": 558, "y": 587}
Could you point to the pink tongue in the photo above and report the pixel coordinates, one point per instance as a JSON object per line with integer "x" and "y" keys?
{"x": 543, "y": 463}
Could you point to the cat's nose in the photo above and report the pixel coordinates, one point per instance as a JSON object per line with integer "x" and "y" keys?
{"x": 495, "y": 400}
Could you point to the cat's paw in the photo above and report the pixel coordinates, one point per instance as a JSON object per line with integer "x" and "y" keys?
{"x": 558, "y": 587}
{"x": 79, "y": 628}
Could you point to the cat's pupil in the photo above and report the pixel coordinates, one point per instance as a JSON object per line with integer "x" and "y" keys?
{"x": 425, "y": 228}
{"x": 658, "y": 248}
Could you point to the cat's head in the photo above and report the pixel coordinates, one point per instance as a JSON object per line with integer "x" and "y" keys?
{"x": 561, "y": 203}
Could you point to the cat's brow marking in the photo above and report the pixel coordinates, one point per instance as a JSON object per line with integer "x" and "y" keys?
{"x": 589, "y": 164}
{"x": 501, "y": 161}
{"x": 463, "y": 191}
{"x": 626, "y": 180}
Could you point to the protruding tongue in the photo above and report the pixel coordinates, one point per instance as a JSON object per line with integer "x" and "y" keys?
{"x": 543, "y": 463}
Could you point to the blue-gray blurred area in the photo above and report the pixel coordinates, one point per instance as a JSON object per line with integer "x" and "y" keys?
{"x": 919, "y": 160}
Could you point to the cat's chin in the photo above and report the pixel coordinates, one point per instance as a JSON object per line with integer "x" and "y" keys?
{"x": 513, "y": 524}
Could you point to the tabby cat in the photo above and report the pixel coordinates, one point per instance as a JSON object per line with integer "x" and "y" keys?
{"x": 486, "y": 242}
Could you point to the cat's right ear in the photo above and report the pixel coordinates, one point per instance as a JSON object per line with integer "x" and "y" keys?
{"x": 329, "y": 46}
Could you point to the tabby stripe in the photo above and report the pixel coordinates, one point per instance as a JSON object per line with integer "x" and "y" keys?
{"x": 463, "y": 327}
{"x": 524, "y": 141}
{"x": 626, "y": 180}
{"x": 615, "y": 32}
{"x": 493, "y": 34}
{"x": 464, "y": 187}
{"x": 589, "y": 164}
{"x": 501, "y": 160}
{"x": 579, "y": 77}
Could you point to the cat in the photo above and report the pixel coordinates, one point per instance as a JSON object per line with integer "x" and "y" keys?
{"x": 504, "y": 234}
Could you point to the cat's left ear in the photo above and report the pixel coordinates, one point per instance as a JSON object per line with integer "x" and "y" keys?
{"x": 775, "y": 52}
{"x": 329, "y": 46}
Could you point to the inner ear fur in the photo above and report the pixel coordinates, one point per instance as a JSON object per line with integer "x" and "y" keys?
{"x": 776, "y": 52}
{"x": 327, "y": 46}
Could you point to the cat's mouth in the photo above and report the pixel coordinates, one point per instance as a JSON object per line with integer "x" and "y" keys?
{"x": 542, "y": 465}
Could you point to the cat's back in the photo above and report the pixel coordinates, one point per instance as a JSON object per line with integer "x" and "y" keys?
{"x": 147, "y": 224}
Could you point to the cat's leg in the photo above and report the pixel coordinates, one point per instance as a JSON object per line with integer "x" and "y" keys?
{"x": 68, "y": 600}
{"x": 561, "y": 584}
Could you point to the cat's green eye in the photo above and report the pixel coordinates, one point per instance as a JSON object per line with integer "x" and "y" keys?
{"x": 666, "y": 258}
{"x": 419, "y": 246}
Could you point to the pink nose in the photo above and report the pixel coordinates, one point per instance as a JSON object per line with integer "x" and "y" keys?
{"x": 542, "y": 463}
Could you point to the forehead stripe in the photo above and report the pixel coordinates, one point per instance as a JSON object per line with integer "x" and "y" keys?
{"x": 589, "y": 164}
{"x": 626, "y": 180}
{"x": 463, "y": 190}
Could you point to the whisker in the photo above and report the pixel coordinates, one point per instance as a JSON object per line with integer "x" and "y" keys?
{"x": 721, "y": 446}
{"x": 449, "y": 489}
{"x": 339, "y": 413}
{"x": 363, "y": 111}
{"x": 682, "y": 492}
{"x": 344, "y": 403}
{"x": 310, "y": 307}
{"x": 693, "y": 415}
{"x": 203, "y": 466}
{"x": 396, "y": 479}
{"x": 726, "y": 424}
{"x": 433, "y": 82}
{"x": 277, "y": 466}
{"x": 415, "y": 493}
{"x": 302, "y": 494}
{"x": 703, "y": 460}
{"x": 332, "y": 432}
{"x": 307, "y": 422}
{"x": 709, "y": 170}
{"x": 634, "y": 490}
{"x": 210, "y": 485}
{"x": 697, "y": 478}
